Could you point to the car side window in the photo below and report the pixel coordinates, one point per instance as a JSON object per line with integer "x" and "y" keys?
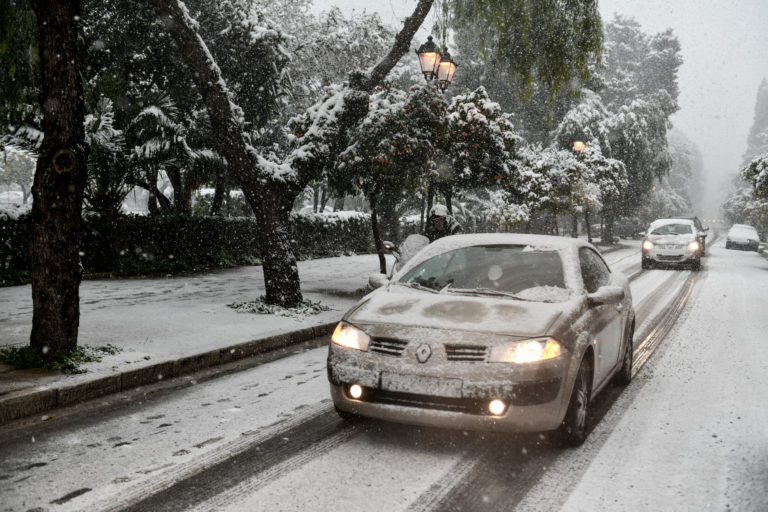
{"x": 594, "y": 271}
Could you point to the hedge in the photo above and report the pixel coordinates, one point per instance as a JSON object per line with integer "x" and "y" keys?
{"x": 130, "y": 245}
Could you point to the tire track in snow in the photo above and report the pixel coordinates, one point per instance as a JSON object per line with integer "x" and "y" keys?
{"x": 142, "y": 496}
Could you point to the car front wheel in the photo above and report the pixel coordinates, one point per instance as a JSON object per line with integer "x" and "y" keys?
{"x": 646, "y": 264}
{"x": 624, "y": 376}
{"x": 573, "y": 429}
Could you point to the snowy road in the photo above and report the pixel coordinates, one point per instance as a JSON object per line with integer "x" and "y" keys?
{"x": 691, "y": 433}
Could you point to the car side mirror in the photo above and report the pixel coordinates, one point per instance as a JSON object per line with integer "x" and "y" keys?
{"x": 378, "y": 280}
{"x": 606, "y": 295}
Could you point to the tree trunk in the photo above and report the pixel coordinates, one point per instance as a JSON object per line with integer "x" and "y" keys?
{"x": 575, "y": 227}
{"x": 59, "y": 183}
{"x": 589, "y": 228}
{"x": 281, "y": 274}
{"x": 377, "y": 236}
{"x": 218, "y": 193}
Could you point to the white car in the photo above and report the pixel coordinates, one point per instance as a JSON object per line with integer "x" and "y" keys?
{"x": 671, "y": 242}
{"x": 742, "y": 236}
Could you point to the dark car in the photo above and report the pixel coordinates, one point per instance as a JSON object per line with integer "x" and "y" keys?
{"x": 504, "y": 332}
{"x": 701, "y": 233}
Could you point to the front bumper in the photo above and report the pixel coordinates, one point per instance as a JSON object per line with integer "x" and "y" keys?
{"x": 452, "y": 394}
{"x": 674, "y": 256}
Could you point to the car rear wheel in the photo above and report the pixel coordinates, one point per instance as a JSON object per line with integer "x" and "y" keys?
{"x": 573, "y": 429}
{"x": 624, "y": 376}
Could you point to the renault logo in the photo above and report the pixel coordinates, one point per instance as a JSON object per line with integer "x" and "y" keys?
{"x": 423, "y": 353}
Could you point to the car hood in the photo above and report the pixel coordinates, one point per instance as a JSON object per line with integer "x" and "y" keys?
{"x": 403, "y": 307}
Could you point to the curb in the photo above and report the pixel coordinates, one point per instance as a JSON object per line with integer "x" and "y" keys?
{"x": 29, "y": 401}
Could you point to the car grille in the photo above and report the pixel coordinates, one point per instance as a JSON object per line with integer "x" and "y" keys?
{"x": 388, "y": 346}
{"x": 663, "y": 257}
{"x": 466, "y": 352}
{"x": 464, "y": 405}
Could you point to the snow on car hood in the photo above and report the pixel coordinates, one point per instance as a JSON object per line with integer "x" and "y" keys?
{"x": 400, "y": 306}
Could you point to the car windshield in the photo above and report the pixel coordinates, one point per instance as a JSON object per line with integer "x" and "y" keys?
{"x": 672, "y": 229}
{"x": 513, "y": 270}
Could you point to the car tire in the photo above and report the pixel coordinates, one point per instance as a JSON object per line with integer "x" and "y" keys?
{"x": 575, "y": 426}
{"x": 696, "y": 265}
{"x": 646, "y": 265}
{"x": 727, "y": 245}
{"x": 624, "y": 377}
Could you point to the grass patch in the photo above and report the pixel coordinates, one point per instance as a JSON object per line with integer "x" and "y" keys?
{"x": 261, "y": 307}
{"x": 26, "y": 357}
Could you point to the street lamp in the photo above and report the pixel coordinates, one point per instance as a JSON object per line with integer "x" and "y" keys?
{"x": 429, "y": 59}
{"x": 445, "y": 70}
{"x": 578, "y": 146}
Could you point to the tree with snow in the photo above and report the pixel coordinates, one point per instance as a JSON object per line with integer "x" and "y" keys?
{"x": 18, "y": 168}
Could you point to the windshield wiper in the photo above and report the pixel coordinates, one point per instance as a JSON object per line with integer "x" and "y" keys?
{"x": 418, "y": 286}
{"x": 486, "y": 291}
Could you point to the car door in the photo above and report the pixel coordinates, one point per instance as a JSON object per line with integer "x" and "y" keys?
{"x": 606, "y": 319}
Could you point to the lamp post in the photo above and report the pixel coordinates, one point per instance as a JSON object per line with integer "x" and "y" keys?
{"x": 435, "y": 65}
{"x": 429, "y": 59}
{"x": 445, "y": 71}
{"x": 578, "y": 148}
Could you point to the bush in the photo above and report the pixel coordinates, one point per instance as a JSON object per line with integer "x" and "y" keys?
{"x": 128, "y": 245}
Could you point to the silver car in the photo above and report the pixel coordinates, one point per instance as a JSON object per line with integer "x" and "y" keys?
{"x": 503, "y": 332}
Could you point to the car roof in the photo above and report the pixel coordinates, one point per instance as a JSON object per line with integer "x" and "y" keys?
{"x": 674, "y": 220}
{"x": 537, "y": 241}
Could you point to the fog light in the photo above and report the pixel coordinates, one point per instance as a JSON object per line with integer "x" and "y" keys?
{"x": 355, "y": 391}
{"x": 497, "y": 407}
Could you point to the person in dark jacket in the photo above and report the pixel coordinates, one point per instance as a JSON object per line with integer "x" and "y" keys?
{"x": 440, "y": 224}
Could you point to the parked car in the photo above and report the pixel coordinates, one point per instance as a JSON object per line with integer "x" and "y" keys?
{"x": 742, "y": 236}
{"x": 629, "y": 228}
{"x": 502, "y": 331}
{"x": 671, "y": 241}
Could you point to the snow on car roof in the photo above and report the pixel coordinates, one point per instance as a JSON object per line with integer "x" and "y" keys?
{"x": 661, "y": 222}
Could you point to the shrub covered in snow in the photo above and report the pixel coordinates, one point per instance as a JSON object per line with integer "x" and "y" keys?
{"x": 135, "y": 244}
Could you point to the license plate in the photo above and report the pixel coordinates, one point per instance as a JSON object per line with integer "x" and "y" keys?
{"x": 421, "y": 385}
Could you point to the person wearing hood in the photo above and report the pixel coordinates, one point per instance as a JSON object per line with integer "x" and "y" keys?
{"x": 440, "y": 223}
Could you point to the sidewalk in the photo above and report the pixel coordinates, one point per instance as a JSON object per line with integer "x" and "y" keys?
{"x": 170, "y": 327}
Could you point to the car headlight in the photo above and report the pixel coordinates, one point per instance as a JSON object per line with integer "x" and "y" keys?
{"x": 693, "y": 246}
{"x": 349, "y": 336}
{"x": 527, "y": 351}
{"x": 647, "y": 245}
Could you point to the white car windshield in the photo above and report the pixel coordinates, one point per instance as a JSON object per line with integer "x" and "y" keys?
{"x": 492, "y": 270}
{"x": 673, "y": 229}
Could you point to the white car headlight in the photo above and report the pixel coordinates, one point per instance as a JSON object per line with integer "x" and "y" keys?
{"x": 647, "y": 245}
{"x": 693, "y": 246}
{"x": 349, "y": 336}
{"x": 527, "y": 351}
